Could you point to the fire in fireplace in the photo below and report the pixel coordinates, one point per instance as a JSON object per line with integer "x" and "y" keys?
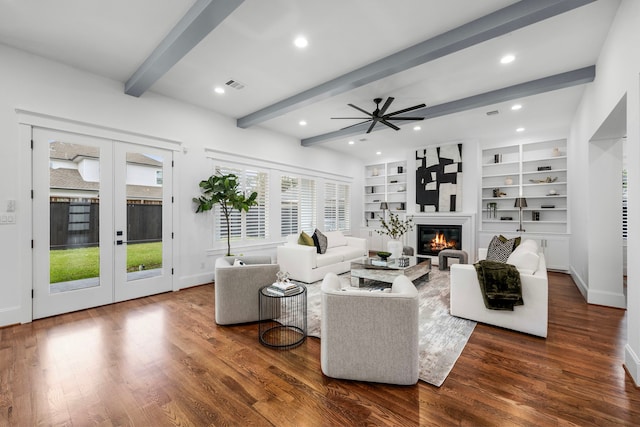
{"x": 434, "y": 238}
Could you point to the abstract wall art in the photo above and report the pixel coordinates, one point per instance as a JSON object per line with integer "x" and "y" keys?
{"x": 439, "y": 178}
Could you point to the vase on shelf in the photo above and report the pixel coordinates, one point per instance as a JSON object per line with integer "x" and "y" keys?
{"x": 395, "y": 248}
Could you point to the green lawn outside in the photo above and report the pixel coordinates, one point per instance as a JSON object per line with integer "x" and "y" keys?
{"x": 83, "y": 263}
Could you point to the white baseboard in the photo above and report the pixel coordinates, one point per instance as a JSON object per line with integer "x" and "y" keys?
{"x": 11, "y": 316}
{"x": 607, "y": 299}
{"x": 582, "y": 286}
{"x": 632, "y": 364}
{"x": 195, "y": 280}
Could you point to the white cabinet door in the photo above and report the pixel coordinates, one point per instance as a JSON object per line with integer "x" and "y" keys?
{"x": 556, "y": 253}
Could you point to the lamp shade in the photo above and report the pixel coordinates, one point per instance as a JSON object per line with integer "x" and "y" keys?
{"x": 521, "y": 202}
{"x": 384, "y": 206}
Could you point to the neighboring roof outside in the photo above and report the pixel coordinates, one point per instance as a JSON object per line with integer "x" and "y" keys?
{"x": 60, "y": 150}
{"x": 70, "y": 179}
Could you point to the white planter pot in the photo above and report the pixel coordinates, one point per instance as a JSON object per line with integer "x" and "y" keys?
{"x": 395, "y": 247}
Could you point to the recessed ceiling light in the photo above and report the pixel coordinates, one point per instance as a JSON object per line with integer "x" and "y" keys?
{"x": 520, "y": 130}
{"x": 219, "y": 90}
{"x": 516, "y": 107}
{"x": 417, "y": 128}
{"x": 351, "y": 142}
{"x": 378, "y": 153}
{"x": 507, "y": 59}
{"x": 302, "y": 123}
{"x": 301, "y": 42}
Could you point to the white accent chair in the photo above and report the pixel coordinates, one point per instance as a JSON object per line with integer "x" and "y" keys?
{"x": 532, "y": 317}
{"x": 236, "y": 287}
{"x": 370, "y": 335}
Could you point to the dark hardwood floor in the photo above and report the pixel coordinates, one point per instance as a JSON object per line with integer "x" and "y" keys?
{"x": 162, "y": 361}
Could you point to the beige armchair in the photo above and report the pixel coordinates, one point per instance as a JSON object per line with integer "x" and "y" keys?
{"x": 236, "y": 287}
{"x": 370, "y": 335}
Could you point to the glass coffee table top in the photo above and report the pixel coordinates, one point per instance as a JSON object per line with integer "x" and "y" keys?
{"x": 376, "y": 270}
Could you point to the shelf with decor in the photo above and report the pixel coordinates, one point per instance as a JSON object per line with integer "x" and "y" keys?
{"x": 535, "y": 171}
{"x": 383, "y": 182}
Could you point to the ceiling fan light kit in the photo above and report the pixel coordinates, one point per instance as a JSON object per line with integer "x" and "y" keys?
{"x": 380, "y": 115}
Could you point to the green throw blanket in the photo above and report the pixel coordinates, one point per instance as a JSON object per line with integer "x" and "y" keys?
{"x": 500, "y": 285}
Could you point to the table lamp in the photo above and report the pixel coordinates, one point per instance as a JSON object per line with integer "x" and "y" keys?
{"x": 521, "y": 202}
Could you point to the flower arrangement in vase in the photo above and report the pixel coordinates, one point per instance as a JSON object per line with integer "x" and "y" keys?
{"x": 395, "y": 228}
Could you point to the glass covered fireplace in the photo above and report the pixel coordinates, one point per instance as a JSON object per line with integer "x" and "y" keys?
{"x": 434, "y": 238}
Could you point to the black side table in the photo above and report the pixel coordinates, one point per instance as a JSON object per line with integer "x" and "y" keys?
{"x": 283, "y": 318}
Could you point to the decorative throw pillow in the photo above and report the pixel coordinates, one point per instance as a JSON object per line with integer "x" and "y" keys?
{"x": 321, "y": 240}
{"x": 499, "y": 250}
{"x": 305, "y": 239}
{"x": 238, "y": 262}
{"x": 517, "y": 239}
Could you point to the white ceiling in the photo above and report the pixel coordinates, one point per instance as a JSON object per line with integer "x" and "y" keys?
{"x": 254, "y": 46}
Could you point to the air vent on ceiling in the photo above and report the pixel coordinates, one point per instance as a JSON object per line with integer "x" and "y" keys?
{"x": 235, "y": 84}
{"x": 492, "y": 113}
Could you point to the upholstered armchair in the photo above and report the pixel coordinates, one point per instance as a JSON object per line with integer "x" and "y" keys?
{"x": 370, "y": 335}
{"x": 236, "y": 287}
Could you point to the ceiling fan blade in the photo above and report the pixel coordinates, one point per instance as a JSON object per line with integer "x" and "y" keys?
{"x": 404, "y": 118}
{"x": 360, "y": 109}
{"x": 391, "y": 125}
{"x": 357, "y": 124}
{"x": 351, "y": 118}
{"x": 386, "y": 106}
{"x": 415, "y": 107}
{"x": 373, "y": 123}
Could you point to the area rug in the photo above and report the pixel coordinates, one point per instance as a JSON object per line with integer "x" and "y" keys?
{"x": 442, "y": 336}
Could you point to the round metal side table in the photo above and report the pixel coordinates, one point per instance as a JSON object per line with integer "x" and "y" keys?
{"x": 283, "y": 318}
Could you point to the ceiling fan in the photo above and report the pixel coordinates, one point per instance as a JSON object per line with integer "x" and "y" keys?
{"x": 378, "y": 115}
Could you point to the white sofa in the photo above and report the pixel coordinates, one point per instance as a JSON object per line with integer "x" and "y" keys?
{"x": 532, "y": 317}
{"x": 303, "y": 263}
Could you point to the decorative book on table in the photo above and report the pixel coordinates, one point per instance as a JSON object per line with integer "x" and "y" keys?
{"x": 283, "y": 288}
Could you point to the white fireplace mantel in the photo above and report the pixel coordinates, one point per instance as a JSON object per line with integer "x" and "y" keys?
{"x": 466, "y": 220}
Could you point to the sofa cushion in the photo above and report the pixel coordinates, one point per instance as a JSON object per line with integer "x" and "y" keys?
{"x": 499, "y": 250}
{"x": 320, "y": 241}
{"x": 346, "y": 252}
{"x": 328, "y": 258}
{"x": 305, "y": 239}
{"x": 525, "y": 257}
{"x": 335, "y": 238}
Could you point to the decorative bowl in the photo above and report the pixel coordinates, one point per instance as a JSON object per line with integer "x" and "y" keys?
{"x": 383, "y": 255}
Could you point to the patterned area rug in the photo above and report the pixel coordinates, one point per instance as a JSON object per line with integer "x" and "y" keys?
{"x": 442, "y": 336}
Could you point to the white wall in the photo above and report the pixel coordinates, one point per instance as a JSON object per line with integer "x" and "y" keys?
{"x": 617, "y": 74}
{"x": 35, "y": 84}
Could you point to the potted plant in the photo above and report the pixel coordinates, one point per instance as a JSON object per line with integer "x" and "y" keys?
{"x": 395, "y": 228}
{"x": 223, "y": 190}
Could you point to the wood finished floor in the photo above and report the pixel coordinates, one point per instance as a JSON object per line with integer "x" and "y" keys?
{"x": 162, "y": 361}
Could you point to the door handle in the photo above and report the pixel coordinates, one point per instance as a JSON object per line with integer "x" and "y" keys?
{"x": 120, "y": 242}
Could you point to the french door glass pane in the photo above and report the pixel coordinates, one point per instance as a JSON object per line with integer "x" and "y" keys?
{"x": 74, "y": 202}
{"x": 144, "y": 192}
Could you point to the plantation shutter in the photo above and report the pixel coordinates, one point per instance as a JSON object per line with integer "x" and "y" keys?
{"x": 624, "y": 204}
{"x": 288, "y": 205}
{"x": 330, "y": 207}
{"x": 258, "y": 216}
{"x": 297, "y": 205}
{"x": 250, "y": 225}
{"x": 308, "y": 205}
{"x": 344, "y": 207}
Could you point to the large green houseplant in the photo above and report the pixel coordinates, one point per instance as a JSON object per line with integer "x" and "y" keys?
{"x": 223, "y": 190}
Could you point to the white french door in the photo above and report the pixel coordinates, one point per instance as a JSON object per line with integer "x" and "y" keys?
{"x": 102, "y": 218}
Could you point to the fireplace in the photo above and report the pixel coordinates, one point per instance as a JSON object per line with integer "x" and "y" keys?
{"x": 434, "y": 238}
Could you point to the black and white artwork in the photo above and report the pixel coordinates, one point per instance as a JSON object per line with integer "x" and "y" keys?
{"x": 439, "y": 178}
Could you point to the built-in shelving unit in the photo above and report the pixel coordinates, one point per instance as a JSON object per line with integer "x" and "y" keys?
{"x": 536, "y": 171}
{"x": 383, "y": 182}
